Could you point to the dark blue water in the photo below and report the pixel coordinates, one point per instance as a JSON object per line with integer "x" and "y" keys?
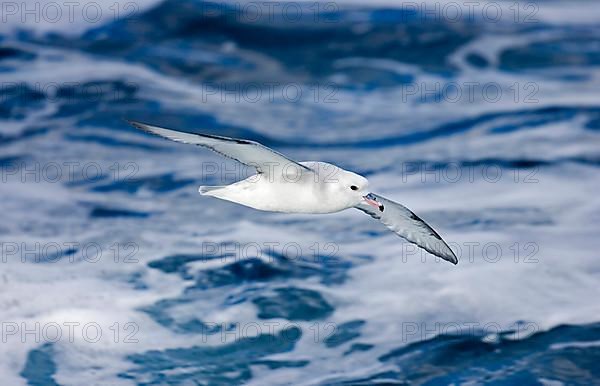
{"x": 485, "y": 126}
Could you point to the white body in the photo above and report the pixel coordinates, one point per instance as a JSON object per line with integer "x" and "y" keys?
{"x": 326, "y": 190}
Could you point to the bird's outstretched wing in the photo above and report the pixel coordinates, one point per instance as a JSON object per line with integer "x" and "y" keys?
{"x": 266, "y": 161}
{"x": 407, "y": 225}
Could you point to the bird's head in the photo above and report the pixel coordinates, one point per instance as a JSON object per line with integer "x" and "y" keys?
{"x": 354, "y": 189}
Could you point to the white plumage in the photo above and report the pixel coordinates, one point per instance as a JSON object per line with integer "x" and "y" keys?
{"x": 284, "y": 185}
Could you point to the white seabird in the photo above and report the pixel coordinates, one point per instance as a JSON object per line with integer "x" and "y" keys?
{"x": 284, "y": 185}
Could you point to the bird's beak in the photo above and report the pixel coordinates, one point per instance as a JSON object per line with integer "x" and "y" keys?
{"x": 371, "y": 200}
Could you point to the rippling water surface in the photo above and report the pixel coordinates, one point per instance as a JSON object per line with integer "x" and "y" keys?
{"x": 116, "y": 272}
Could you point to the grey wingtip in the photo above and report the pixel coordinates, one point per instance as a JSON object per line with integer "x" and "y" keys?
{"x": 145, "y": 128}
{"x": 137, "y": 125}
{"x": 445, "y": 252}
{"x": 450, "y": 257}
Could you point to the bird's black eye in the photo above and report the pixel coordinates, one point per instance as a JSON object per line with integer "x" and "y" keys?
{"x": 354, "y": 187}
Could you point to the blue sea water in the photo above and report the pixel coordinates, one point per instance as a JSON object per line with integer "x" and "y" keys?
{"x": 116, "y": 272}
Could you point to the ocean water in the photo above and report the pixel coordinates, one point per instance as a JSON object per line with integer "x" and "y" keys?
{"x": 482, "y": 118}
